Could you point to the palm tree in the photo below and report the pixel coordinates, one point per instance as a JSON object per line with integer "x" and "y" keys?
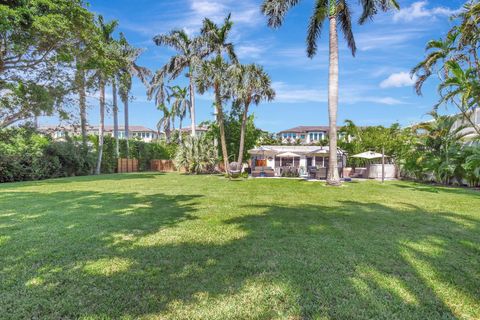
{"x": 181, "y": 103}
{"x": 130, "y": 69}
{"x": 213, "y": 74}
{"x": 190, "y": 53}
{"x": 337, "y": 12}
{"x": 253, "y": 85}
{"x": 166, "y": 121}
{"x": 104, "y": 72}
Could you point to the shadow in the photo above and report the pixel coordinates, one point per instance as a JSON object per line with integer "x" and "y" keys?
{"x": 432, "y": 188}
{"x": 90, "y": 178}
{"x": 113, "y": 255}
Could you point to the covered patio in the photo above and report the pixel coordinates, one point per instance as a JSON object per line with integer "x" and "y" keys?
{"x": 293, "y": 161}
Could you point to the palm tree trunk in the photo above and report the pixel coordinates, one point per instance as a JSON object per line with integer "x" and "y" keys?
{"x": 101, "y": 126}
{"x": 82, "y": 101}
{"x": 221, "y": 125}
{"x": 180, "y": 130}
{"x": 192, "y": 103}
{"x": 333, "y": 178}
{"x": 115, "y": 118}
{"x": 243, "y": 132}
{"x": 127, "y": 133}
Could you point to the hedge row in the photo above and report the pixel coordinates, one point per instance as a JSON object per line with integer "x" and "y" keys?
{"x": 28, "y": 155}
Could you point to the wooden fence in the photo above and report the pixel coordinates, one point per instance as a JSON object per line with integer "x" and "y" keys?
{"x": 127, "y": 165}
{"x": 162, "y": 165}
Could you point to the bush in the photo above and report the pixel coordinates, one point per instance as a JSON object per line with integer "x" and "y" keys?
{"x": 196, "y": 155}
{"x": 28, "y": 155}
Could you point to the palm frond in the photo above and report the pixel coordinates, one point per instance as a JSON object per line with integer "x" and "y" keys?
{"x": 345, "y": 20}
{"x": 320, "y": 13}
{"x": 276, "y": 10}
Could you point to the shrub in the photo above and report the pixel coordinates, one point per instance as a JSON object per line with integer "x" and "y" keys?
{"x": 196, "y": 155}
{"x": 28, "y": 155}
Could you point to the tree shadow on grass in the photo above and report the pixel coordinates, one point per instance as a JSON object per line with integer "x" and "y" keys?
{"x": 104, "y": 255}
{"x": 89, "y": 178}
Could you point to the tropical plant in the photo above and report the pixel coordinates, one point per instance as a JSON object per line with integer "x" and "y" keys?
{"x": 196, "y": 155}
{"x": 130, "y": 69}
{"x": 166, "y": 121}
{"x": 252, "y": 85}
{"x": 180, "y": 105}
{"x": 106, "y": 66}
{"x": 214, "y": 73}
{"x": 338, "y": 13}
{"x": 190, "y": 53}
{"x": 455, "y": 61}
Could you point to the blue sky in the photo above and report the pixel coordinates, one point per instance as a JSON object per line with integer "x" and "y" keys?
{"x": 374, "y": 86}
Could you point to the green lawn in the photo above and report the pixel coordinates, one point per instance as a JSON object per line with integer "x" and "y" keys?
{"x": 172, "y": 246}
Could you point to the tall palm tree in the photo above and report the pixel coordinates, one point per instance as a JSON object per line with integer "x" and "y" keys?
{"x": 253, "y": 85}
{"x": 181, "y": 103}
{"x": 130, "y": 69}
{"x": 104, "y": 73}
{"x": 214, "y": 74}
{"x": 338, "y": 13}
{"x": 190, "y": 53}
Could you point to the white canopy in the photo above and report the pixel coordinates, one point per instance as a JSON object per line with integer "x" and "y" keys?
{"x": 369, "y": 155}
{"x": 288, "y": 155}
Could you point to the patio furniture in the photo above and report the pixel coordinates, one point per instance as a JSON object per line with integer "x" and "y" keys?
{"x": 234, "y": 169}
{"x": 321, "y": 174}
{"x": 263, "y": 172}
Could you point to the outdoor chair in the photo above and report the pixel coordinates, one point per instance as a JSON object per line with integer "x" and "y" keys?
{"x": 234, "y": 169}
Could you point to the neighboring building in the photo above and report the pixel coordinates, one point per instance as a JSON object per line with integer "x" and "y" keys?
{"x": 304, "y": 134}
{"x": 276, "y": 159}
{"x": 199, "y": 130}
{"x": 136, "y": 132}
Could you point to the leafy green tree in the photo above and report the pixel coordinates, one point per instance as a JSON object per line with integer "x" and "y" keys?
{"x": 38, "y": 38}
{"x": 338, "y": 13}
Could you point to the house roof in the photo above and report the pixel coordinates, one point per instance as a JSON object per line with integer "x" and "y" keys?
{"x": 301, "y": 150}
{"x": 197, "y": 128}
{"x": 305, "y": 129}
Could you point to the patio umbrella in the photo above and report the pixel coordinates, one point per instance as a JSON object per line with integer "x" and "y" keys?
{"x": 374, "y": 155}
{"x": 287, "y": 155}
{"x": 369, "y": 155}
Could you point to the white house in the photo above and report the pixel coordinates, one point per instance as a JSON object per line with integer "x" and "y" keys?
{"x": 136, "y": 132}
{"x": 303, "y": 159}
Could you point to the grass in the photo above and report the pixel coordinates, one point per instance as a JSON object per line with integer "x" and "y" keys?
{"x": 172, "y": 246}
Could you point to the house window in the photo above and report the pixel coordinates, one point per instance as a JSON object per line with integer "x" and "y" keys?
{"x": 294, "y": 136}
{"x": 285, "y": 136}
{"x": 148, "y": 134}
{"x": 302, "y": 136}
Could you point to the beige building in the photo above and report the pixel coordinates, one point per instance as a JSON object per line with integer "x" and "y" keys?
{"x": 136, "y": 132}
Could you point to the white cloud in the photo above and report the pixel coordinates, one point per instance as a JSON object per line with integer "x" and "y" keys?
{"x": 419, "y": 10}
{"x": 382, "y": 40}
{"x": 286, "y": 93}
{"x": 249, "y": 51}
{"x": 397, "y": 80}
